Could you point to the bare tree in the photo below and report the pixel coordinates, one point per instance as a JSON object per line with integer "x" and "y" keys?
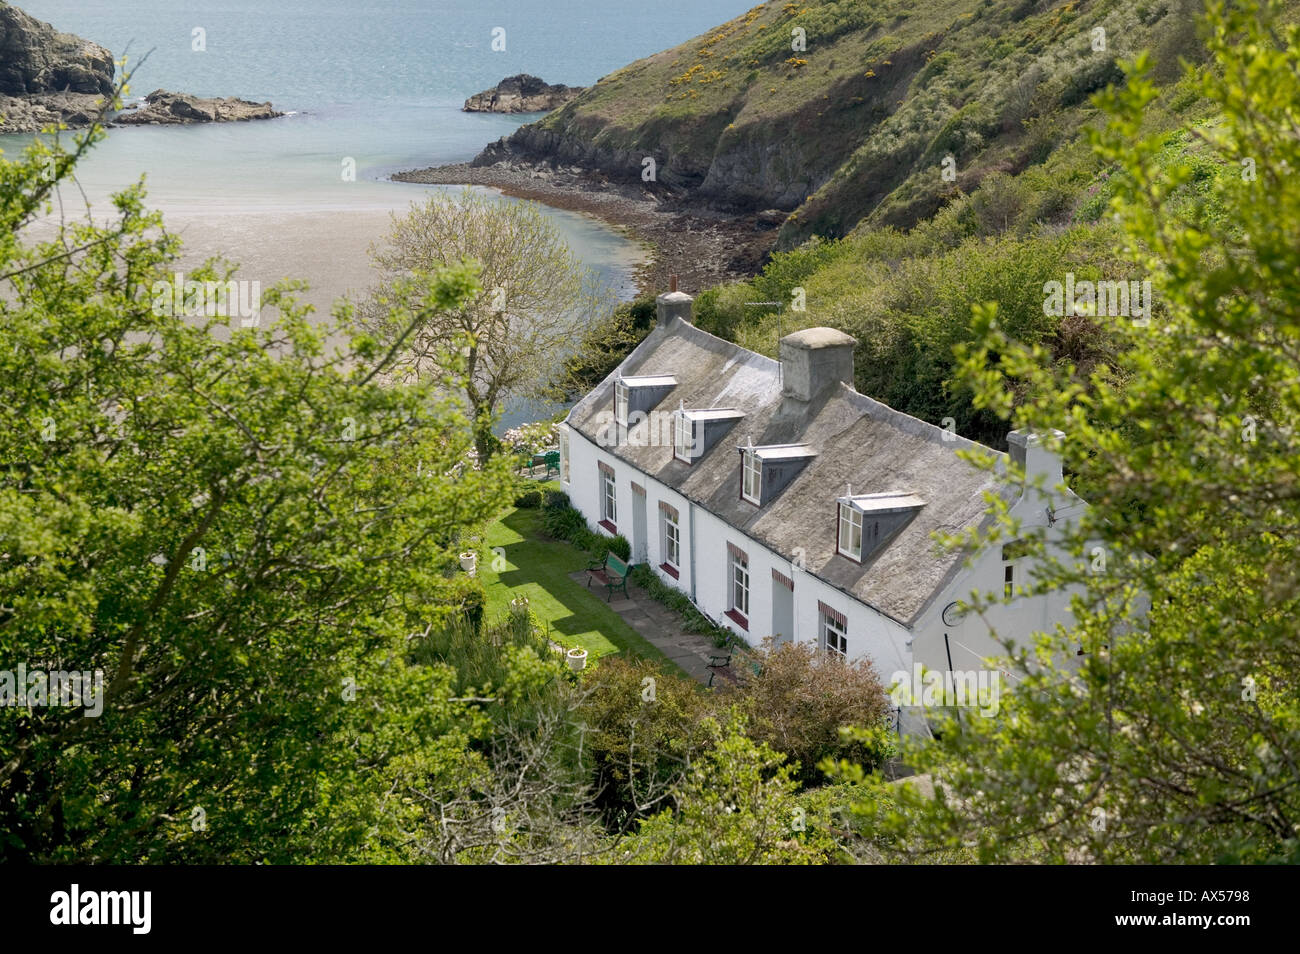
{"x": 536, "y": 298}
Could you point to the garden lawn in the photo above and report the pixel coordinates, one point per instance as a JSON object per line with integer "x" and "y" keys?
{"x": 538, "y": 567}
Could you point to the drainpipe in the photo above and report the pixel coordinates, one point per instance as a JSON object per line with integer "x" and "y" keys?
{"x": 691, "y": 523}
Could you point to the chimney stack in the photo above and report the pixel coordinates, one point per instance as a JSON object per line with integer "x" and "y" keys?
{"x": 673, "y": 304}
{"x": 1039, "y": 453}
{"x": 813, "y": 360}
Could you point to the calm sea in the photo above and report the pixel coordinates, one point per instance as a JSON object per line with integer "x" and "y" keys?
{"x": 380, "y": 81}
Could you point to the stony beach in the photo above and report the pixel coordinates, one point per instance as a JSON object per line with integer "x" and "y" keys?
{"x": 701, "y": 247}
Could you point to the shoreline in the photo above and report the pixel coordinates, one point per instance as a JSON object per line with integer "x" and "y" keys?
{"x": 702, "y": 248}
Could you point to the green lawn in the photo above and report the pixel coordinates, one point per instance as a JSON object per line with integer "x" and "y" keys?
{"x": 539, "y": 568}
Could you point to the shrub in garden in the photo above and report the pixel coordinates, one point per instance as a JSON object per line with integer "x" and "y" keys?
{"x": 643, "y": 728}
{"x": 529, "y": 499}
{"x": 620, "y": 547}
{"x": 798, "y": 699}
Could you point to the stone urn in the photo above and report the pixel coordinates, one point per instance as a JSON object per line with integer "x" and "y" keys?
{"x": 469, "y": 562}
{"x": 576, "y": 658}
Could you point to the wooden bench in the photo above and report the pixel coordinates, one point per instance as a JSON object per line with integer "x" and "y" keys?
{"x": 612, "y": 572}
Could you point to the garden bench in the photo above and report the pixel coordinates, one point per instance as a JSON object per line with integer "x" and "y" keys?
{"x": 612, "y": 572}
{"x": 720, "y": 665}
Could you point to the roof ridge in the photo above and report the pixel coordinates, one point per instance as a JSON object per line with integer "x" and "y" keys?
{"x": 915, "y": 426}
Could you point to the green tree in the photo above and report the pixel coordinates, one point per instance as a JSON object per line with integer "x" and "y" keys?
{"x": 738, "y": 806}
{"x": 240, "y": 529}
{"x": 1175, "y": 737}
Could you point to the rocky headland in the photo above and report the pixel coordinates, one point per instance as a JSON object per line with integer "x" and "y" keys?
{"x": 521, "y": 94}
{"x": 48, "y": 77}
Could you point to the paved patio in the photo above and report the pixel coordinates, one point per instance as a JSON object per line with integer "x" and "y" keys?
{"x": 662, "y": 627}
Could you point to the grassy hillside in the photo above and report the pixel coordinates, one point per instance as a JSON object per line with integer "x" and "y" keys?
{"x": 902, "y": 266}
{"x": 856, "y": 125}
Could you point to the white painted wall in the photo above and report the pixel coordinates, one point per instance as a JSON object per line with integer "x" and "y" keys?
{"x": 972, "y": 639}
{"x": 870, "y": 633}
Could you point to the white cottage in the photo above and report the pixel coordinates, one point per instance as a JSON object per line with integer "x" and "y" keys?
{"x": 786, "y": 504}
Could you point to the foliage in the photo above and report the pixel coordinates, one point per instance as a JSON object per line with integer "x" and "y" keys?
{"x": 225, "y": 521}
{"x": 529, "y": 499}
{"x": 1174, "y": 738}
{"x": 798, "y": 701}
{"x": 534, "y": 297}
{"x": 738, "y": 807}
{"x": 643, "y": 728}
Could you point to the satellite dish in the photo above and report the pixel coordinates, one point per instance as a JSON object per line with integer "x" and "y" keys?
{"x": 952, "y": 614}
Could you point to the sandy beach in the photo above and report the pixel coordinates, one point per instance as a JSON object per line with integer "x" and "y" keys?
{"x": 329, "y": 250}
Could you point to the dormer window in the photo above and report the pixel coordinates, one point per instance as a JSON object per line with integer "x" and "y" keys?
{"x": 634, "y": 396}
{"x": 696, "y": 431}
{"x": 620, "y": 402}
{"x": 683, "y": 437}
{"x": 765, "y": 471}
{"x": 867, "y": 521}
{"x": 751, "y": 487}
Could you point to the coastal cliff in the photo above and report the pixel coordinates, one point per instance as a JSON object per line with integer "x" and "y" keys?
{"x": 834, "y": 113}
{"x": 48, "y": 77}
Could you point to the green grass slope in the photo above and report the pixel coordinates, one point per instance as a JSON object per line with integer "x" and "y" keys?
{"x": 857, "y": 123}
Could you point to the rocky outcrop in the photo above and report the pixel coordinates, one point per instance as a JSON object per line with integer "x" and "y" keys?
{"x": 164, "y": 108}
{"x": 47, "y": 76}
{"x": 521, "y": 94}
{"x": 36, "y": 58}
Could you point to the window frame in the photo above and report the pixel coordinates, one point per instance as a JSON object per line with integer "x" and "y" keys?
{"x": 608, "y": 498}
{"x": 751, "y": 463}
{"x": 830, "y": 625}
{"x": 853, "y": 512}
{"x": 670, "y": 540}
{"x": 738, "y": 568}
{"x": 622, "y": 397}
{"x": 683, "y": 419}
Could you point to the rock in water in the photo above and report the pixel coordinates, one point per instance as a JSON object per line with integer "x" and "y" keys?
{"x": 47, "y": 76}
{"x": 521, "y": 94}
{"x": 165, "y": 108}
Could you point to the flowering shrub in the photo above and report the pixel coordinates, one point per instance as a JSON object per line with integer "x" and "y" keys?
{"x": 532, "y": 438}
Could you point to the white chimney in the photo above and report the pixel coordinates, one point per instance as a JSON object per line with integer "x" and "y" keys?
{"x": 673, "y": 304}
{"x": 814, "y": 359}
{"x": 1039, "y": 453}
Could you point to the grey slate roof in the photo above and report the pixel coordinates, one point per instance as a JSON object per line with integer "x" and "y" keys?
{"x": 858, "y": 442}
